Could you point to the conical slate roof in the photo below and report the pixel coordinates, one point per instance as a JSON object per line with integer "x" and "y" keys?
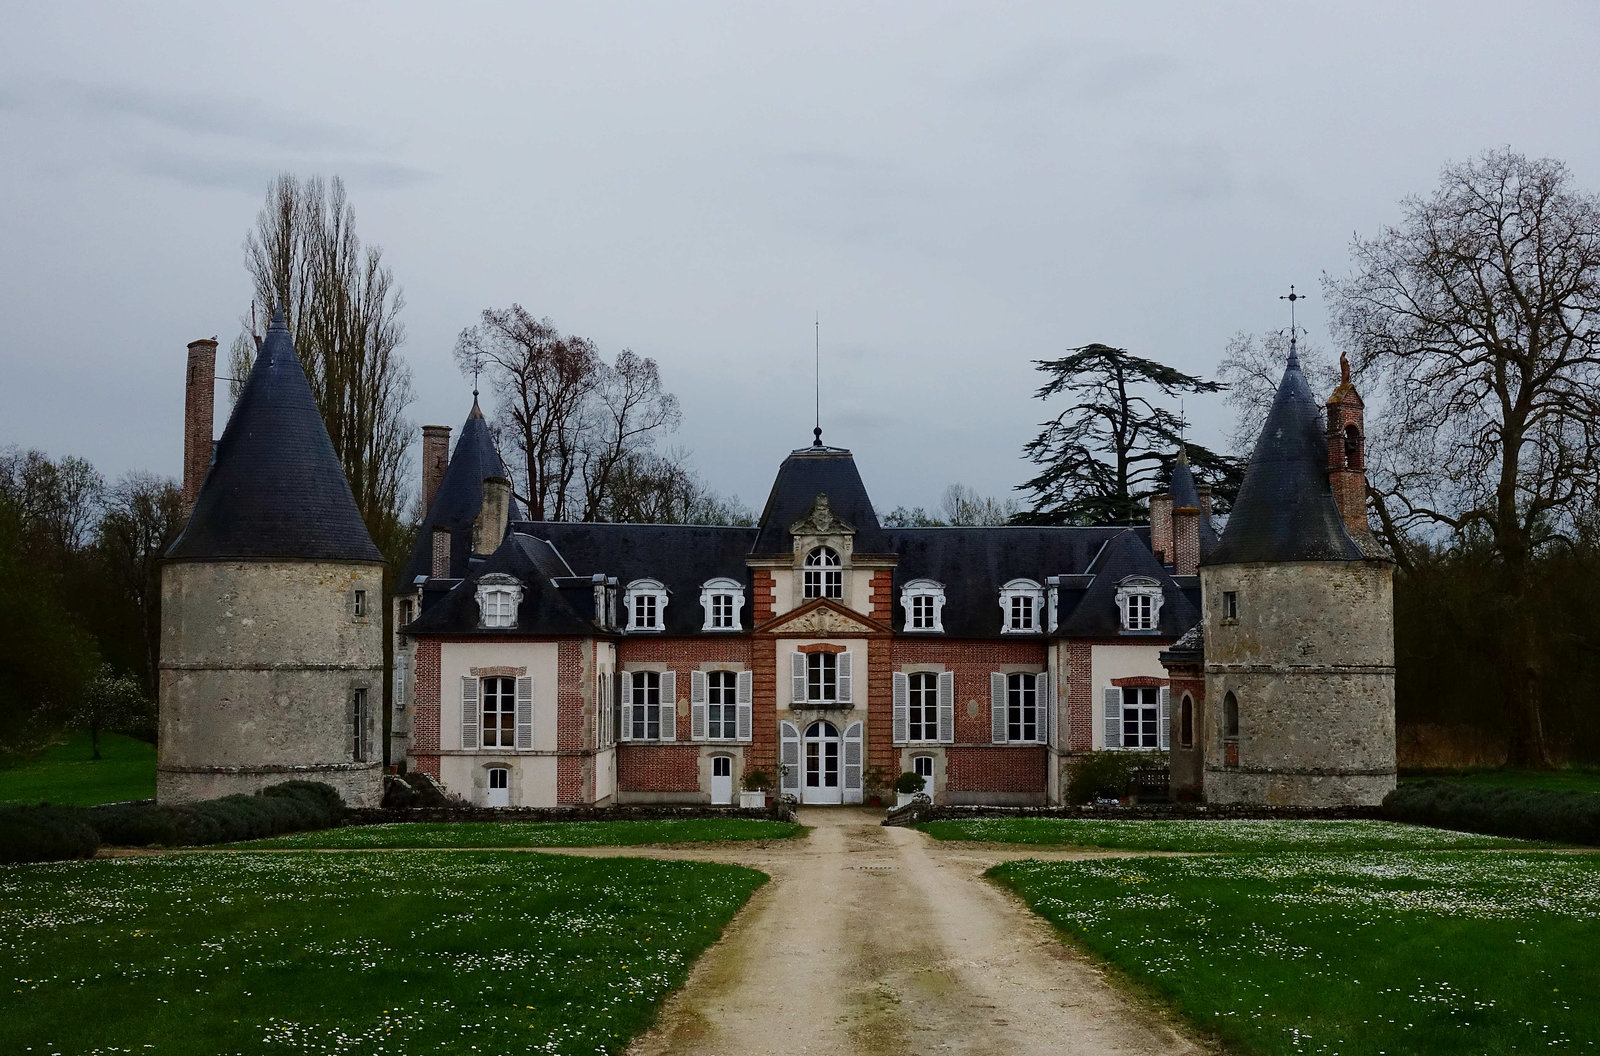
{"x": 458, "y": 499}
{"x": 276, "y": 489}
{"x": 1285, "y": 510}
{"x": 1186, "y": 495}
{"x": 805, "y": 474}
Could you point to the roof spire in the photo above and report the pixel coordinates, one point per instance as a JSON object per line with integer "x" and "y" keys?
{"x": 817, "y": 371}
{"x": 1291, "y": 297}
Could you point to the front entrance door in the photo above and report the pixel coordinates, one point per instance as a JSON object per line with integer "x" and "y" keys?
{"x": 499, "y": 788}
{"x": 721, "y": 779}
{"x": 820, "y": 779}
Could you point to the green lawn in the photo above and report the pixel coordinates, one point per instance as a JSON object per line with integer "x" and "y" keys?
{"x": 460, "y": 952}
{"x": 67, "y": 775}
{"x": 535, "y": 834}
{"x": 1229, "y": 835}
{"x": 1554, "y": 780}
{"x": 1357, "y": 954}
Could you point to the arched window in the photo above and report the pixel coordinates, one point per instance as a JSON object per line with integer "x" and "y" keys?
{"x": 1352, "y": 447}
{"x": 1230, "y": 717}
{"x": 1186, "y": 722}
{"x": 824, "y": 577}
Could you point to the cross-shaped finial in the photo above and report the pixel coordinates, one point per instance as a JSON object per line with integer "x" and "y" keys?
{"x": 1292, "y": 297}
{"x": 477, "y": 365}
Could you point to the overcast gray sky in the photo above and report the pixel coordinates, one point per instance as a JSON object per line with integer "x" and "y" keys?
{"x": 959, "y": 189}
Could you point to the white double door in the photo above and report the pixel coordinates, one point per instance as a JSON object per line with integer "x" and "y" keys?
{"x": 823, "y": 765}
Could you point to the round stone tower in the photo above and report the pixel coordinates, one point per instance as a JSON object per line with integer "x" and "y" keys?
{"x": 1299, "y": 620}
{"x": 271, "y": 609}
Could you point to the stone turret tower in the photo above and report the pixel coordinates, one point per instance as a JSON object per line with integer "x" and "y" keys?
{"x": 271, "y": 631}
{"x": 1299, "y": 618}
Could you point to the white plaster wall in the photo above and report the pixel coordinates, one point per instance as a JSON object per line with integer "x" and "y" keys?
{"x": 1107, "y": 662}
{"x": 457, "y": 659}
{"x": 532, "y": 777}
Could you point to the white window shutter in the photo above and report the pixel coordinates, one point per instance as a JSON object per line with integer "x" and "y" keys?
{"x": 697, "y": 705}
{"x": 790, "y": 757}
{"x": 947, "y": 707}
{"x": 1164, "y": 722}
{"x": 997, "y": 707}
{"x": 627, "y": 705}
{"x": 797, "y": 668}
{"x": 746, "y": 690}
{"x": 902, "y": 700}
{"x": 1044, "y": 700}
{"x": 469, "y": 713}
{"x": 844, "y": 677}
{"x": 1113, "y": 717}
{"x": 524, "y": 713}
{"x": 669, "y": 705}
{"x": 852, "y": 763}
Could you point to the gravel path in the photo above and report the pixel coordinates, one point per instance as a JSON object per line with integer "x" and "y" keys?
{"x": 874, "y": 940}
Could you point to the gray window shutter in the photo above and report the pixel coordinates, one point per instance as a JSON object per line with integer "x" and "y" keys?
{"x": 469, "y": 713}
{"x": 797, "y": 668}
{"x": 852, "y": 763}
{"x": 524, "y": 713}
{"x": 997, "y": 707}
{"x": 627, "y": 704}
{"x": 1113, "y": 717}
{"x": 697, "y": 705}
{"x": 844, "y": 678}
{"x": 1045, "y": 701}
{"x": 746, "y": 690}
{"x": 1164, "y": 722}
{"x": 790, "y": 757}
{"x": 669, "y": 705}
{"x": 947, "y": 707}
{"x": 902, "y": 702}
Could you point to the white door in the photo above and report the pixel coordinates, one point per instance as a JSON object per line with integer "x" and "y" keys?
{"x": 721, "y": 779}
{"x": 820, "y": 778}
{"x": 499, "y": 788}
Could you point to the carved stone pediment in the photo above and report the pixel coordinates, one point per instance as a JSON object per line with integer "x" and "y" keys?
{"x": 821, "y": 520}
{"x": 825, "y": 622}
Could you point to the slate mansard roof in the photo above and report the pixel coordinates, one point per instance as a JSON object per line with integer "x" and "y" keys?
{"x": 276, "y": 490}
{"x": 1285, "y": 510}
{"x": 558, "y": 564}
{"x": 457, "y": 500}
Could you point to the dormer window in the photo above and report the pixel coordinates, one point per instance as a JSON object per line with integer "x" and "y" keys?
{"x": 722, "y": 599}
{"x": 646, "y": 602}
{"x": 1021, "y": 607}
{"x": 1139, "y": 599}
{"x": 824, "y": 575}
{"x": 498, "y": 598}
{"x": 923, "y": 600}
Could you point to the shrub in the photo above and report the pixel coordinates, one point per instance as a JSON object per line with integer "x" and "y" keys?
{"x": 757, "y": 780}
{"x": 909, "y": 782}
{"x": 1523, "y": 813}
{"x": 45, "y": 834}
{"x": 293, "y": 806}
{"x": 1106, "y": 774}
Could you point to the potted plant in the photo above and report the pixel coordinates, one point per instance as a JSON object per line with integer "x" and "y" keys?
{"x": 754, "y": 793}
{"x": 907, "y": 785}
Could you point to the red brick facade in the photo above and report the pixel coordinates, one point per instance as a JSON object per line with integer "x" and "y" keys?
{"x": 658, "y": 768}
{"x": 973, "y": 661}
{"x": 199, "y": 403}
{"x": 1000, "y": 768}
{"x": 574, "y": 721}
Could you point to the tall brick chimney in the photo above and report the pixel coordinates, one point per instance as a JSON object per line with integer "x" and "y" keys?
{"x": 1161, "y": 526}
{"x": 1347, "y": 455}
{"x": 435, "y": 457}
{"x": 493, "y": 515}
{"x": 199, "y": 409}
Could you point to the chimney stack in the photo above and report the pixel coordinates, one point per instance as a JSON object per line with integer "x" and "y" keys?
{"x": 441, "y": 553}
{"x": 435, "y": 457}
{"x": 1347, "y": 456}
{"x": 199, "y": 409}
{"x": 1161, "y": 526}
{"x": 1185, "y": 557}
{"x": 490, "y": 526}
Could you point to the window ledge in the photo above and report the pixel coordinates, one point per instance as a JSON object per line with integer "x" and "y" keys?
{"x": 821, "y": 705}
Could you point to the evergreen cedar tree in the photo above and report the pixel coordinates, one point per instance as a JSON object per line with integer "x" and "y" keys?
{"x": 1106, "y": 453}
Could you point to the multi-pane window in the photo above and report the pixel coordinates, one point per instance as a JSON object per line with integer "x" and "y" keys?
{"x": 1020, "y": 603}
{"x": 644, "y": 611}
{"x": 358, "y": 604}
{"x": 645, "y": 602}
{"x": 922, "y": 707}
{"x": 923, "y": 600}
{"x": 823, "y": 577}
{"x": 1141, "y": 717}
{"x": 499, "y": 608}
{"x": 722, "y": 611}
{"x": 1141, "y": 612}
{"x": 922, "y": 612}
{"x": 499, "y": 712}
{"x": 406, "y": 612}
{"x": 358, "y": 726}
{"x": 822, "y": 676}
{"x": 1021, "y": 613}
{"x": 721, "y": 705}
{"x": 922, "y": 766}
{"x": 1230, "y": 604}
{"x": 1022, "y": 707}
{"x": 646, "y": 711}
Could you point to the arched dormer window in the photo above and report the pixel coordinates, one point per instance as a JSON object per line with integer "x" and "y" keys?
{"x": 1021, "y": 607}
{"x": 923, "y": 600}
{"x": 646, "y": 602}
{"x": 722, "y": 599}
{"x": 1352, "y": 447}
{"x": 1139, "y": 600}
{"x": 498, "y": 598}
{"x": 824, "y": 574}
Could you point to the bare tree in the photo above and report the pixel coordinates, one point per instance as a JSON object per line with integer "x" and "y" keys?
{"x": 963, "y": 505}
{"x": 629, "y": 410}
{"x": 1251, "y": 369}
{"x": 59, "y": 499}
{"x": 143, "y": 516}
{"x": 1480, "y": 315}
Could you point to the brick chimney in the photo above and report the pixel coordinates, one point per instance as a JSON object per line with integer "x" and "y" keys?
{"x": 1161, "y": 526}
{"x": 199, "y": 409}
{"x": 435, "y": 457}
{"x": 440, "y": 565}
{"x": 1347, "y": 455}
{"x": 1185, "y": 557}
{"x": 489, "y": 528}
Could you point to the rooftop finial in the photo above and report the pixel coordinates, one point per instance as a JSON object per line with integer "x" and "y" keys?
{"x": 1291, "y": 297}
{"x": 277, "y": 319}
{"x": 817, "y": 372}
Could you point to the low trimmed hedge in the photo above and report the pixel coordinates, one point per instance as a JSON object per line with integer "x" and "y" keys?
{"x": 46, "y": 833}
{"x": 1523, "y": 813}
